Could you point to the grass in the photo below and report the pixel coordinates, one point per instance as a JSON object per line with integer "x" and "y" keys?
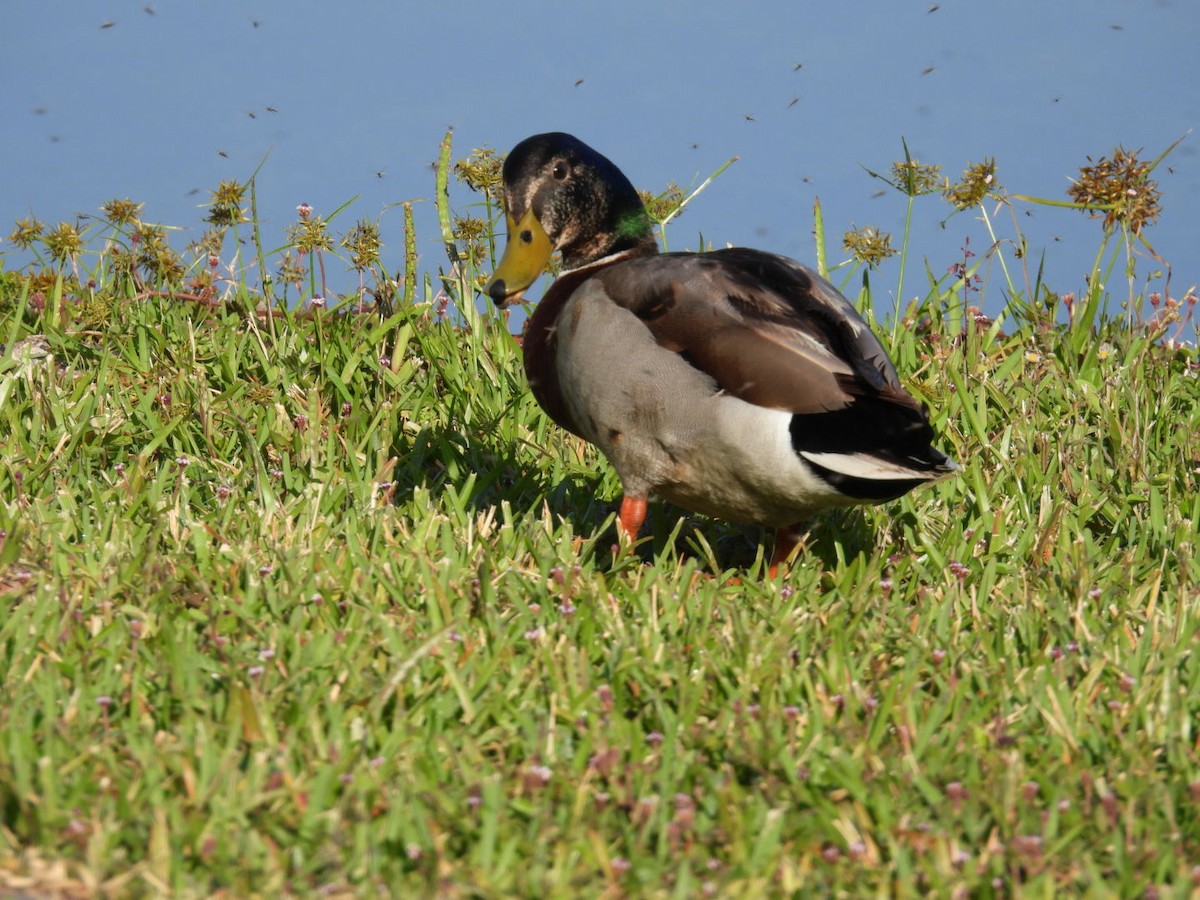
{"x": 318, "y": 603}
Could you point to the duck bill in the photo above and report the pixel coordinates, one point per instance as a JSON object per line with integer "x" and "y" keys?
{"x": 525, "y": 257}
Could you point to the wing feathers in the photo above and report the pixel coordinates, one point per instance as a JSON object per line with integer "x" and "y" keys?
{"x": 777, "y": 335}
{"x": 767, "y": 329}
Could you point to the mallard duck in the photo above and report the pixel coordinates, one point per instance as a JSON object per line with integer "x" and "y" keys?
{"x": 734, "y": 383}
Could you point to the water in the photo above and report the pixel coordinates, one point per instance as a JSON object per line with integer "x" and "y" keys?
{"x": 162, "y": 102}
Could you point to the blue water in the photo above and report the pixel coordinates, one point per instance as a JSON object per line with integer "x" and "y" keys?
{"x": 161, "y": 101}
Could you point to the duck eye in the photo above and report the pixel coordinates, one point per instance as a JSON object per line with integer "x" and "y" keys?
{"x": 561, "y": 170}
{"x": 526, "y": 236}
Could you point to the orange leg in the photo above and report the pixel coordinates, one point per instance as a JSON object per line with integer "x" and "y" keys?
{"x": 786, "y": 542}
{"x": 631, "y": 517}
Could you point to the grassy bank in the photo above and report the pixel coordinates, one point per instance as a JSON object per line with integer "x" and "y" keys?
{"x": 319, "y": 602}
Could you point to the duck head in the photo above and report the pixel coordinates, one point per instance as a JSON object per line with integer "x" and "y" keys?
{"x": 560, "y": 194}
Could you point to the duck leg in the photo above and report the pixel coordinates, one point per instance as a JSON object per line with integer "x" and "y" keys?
{"x": 786, "y": 541}
{"x": 631, "y": 516}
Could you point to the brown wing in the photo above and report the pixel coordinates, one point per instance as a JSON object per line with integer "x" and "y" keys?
{"x": 766, "y": 328}
{"x": 776, "y": 334}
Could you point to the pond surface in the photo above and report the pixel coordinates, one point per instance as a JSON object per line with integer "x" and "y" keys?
{"x": 161, "y": 102}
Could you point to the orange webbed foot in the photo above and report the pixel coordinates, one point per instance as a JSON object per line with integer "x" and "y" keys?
{"x": 787, "y": 540}
{"x": 631, "y": 517}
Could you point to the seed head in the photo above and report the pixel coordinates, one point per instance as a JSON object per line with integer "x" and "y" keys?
{"x": 225, "y": 208}
{"x": 979, "y": 180}
{"x": 122, "y": 212}
{"x": 155, "y": 255}
{"x": 290, "y": 269}
{"x": 915, "y": 178}
{"x": 27, "y": 231}
{"x": 1119, "y": 188}
{"x": 363, "y": 243}
{"x": 210, "y": 243}
{"x": 661, "y": 205}
{"x": 310, "y": 233}
{"x": 869, "y": 245}
{"x": 481, "y": 171}
{"x": 471, "y": 231}
{"x": 65, "y": 242}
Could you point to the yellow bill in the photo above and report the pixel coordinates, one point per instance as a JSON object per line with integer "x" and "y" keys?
{"x": 525, "y": 257}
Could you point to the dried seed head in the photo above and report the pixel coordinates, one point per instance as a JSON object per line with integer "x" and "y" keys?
{"x": 155, "y": 256}
{"x": 469, "y": 229}
{"x": 290, "y": 269}
{"x": 311, "y": 233}
{"x": 914, "y": 178}
{"x": 65, "y": 242}
{"x": 27, "y": 231}
{"x": 225, "y": 207}
{"x": 1119, "y": 188}
{"x": 869, "y": 245}
{"x": 979, "y": 179}
{"x": 660, "y": 206}
{"x": 122, "y": 212}
{"x": 363, "y": 243}
{"x": 481, "y": 170}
